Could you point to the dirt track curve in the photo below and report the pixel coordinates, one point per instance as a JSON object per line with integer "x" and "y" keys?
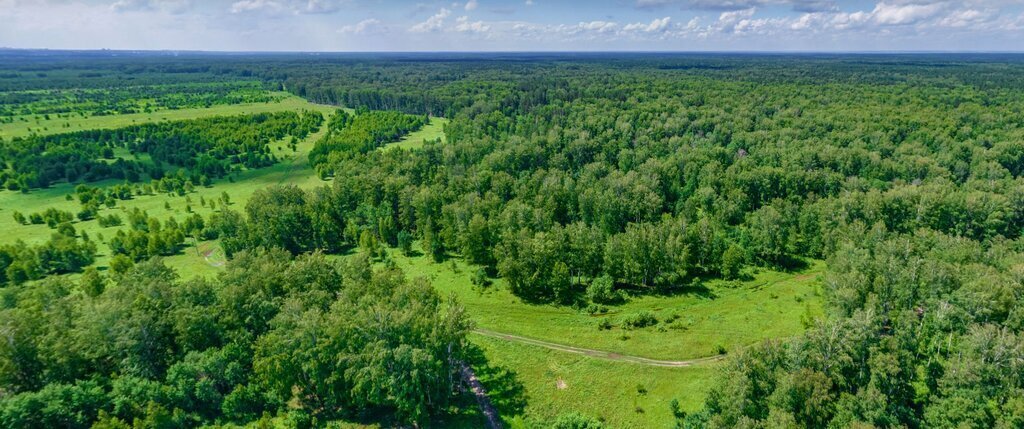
{"x": 598, "y": 354}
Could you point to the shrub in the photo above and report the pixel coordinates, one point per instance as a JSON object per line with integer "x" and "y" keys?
{"x": 109, "y": 221}
{"x": 639, "y": 320}
{"x": 602, "y": 291}
{"x": 480, "y": 278}
{"x": 120, "y": 264}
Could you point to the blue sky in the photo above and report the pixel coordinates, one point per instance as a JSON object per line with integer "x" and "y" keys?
{"x": 515, "y": 25}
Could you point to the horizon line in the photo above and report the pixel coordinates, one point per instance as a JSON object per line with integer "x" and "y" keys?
{"x": 727, "y": 51}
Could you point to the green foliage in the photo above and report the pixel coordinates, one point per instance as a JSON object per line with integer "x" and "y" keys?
{"x": 602, "y": 291}
{"x": 63, "y": 253}
{"x": 732, "y": 262}
{"x": 363, "y": 133}
{"x": 206, "y": 147}
{"x": 647, "y": 172}
{"x": 165, "y": 352}
{"x": 652, "y": 255}
{"x": 576, "y": 421}
{"x": 639, "y": 320}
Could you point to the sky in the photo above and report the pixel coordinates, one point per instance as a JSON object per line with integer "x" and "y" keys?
{"x": 515, "y": 25}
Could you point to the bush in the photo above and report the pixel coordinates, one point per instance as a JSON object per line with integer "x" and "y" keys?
{"x": 594, "y": 309}
{"x": 480, "y": 278}
{"x": 602, "y": 291}
{"x": 109, "y": 221}
{"x": 732, "y": 261}
{"x": 639, "y": 320}
{"x": 120, "y": 264}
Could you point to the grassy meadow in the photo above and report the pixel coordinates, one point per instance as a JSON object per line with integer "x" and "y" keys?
{"x": 532, "y": 383}
{"x": 430, "y": 132}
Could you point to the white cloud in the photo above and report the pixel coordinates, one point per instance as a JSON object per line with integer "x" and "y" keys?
{"x": 463, "y": 25}
{"x": 434, "y": 23}
{"x": 243, "y": 6}
{"x": 472, "y": 5}
{"x": 655, "y": 26}
{"x": 965, "y": 18}
{"x": 598, "y": 26}
{"x": 366, "y": 26}
{"x": 902, "y": 14}
{"x": 735, "y": 16}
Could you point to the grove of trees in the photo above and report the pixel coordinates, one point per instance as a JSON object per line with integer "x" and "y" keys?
{"x": 306, "y": 340}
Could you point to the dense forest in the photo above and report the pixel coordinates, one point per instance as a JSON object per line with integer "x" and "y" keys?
{"x": 576, "y": 180}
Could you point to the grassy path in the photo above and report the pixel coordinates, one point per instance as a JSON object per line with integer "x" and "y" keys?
{"x": 599, "y": 354}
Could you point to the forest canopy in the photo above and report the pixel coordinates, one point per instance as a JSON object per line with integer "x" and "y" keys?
{"x": 580, "y": 181}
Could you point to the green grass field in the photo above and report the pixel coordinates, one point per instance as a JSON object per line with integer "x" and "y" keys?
{"x": 531, "y": 383}
{"x": 723, "y": 314}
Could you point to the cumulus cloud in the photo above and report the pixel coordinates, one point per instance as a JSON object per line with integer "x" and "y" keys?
{"x": 902, "y": 14}
{"x": 965, "y": 18}
{"x": 472, "y": 5}
{"x": 598, "y": 26}
{"x": 464, "y": 25}
{"x": 434, "y": 23}
{"x": 366, "y": 26}
{"x": 655, "y": 26}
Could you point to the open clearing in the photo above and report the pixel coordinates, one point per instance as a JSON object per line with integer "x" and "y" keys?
{"x": 719, "y": 314}
{"x": 430, "y": 132}
{"x": 598, "y": 354}
{"x": 526, "y": 381}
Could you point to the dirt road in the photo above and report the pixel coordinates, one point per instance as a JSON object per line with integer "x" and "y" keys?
{"x": 598, "y": 354}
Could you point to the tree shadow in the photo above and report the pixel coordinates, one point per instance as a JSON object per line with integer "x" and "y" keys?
{"x": 693, "y": 285}
{"x": 506, "y": 392}
{"x": 791, "y": 264}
